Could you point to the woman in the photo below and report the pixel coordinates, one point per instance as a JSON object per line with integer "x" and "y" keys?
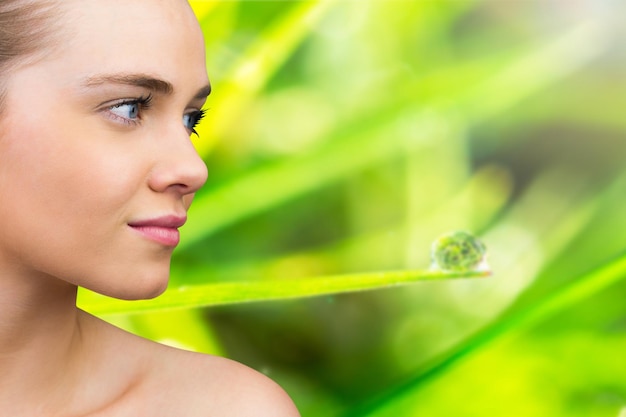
{"x": 98, "y": 99}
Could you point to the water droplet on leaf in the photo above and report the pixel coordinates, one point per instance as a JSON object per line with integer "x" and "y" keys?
{"x": 458, "y": 251}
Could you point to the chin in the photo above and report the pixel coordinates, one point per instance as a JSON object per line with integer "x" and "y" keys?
{"x": 140, "y": 286}
{"x": 146, "y": 288}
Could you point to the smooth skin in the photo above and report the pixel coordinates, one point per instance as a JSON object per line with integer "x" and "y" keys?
{"x": 95, "y": 136}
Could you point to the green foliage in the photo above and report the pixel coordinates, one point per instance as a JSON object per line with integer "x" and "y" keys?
{"x": 248, "y": 291}
{"x": 343, "y": 137}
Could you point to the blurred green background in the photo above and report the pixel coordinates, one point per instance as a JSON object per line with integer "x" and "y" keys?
{"x": 345, "y": 136}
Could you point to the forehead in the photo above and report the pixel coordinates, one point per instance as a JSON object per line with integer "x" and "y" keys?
{"x": 174, "y": 11}
{"x": 150, "y": 36}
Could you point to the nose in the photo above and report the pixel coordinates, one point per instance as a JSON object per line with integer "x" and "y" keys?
{"x": 179, "y": 168}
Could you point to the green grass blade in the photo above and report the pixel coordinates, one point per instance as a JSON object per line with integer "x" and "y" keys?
{"x": 567, "y": 297}
{"x": 165, "y": 327}
{"x": 257, "y": 65}
{"x": 231, "y": 202}
{"x": 375, "y": 141}
{"x": 483, "y": 197}
{"x": 240, "y": 292}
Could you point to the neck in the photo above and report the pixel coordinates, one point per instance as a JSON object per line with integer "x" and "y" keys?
{"x": 40, "y": 340}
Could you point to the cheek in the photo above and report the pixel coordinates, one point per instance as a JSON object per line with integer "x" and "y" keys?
{"x": 63, "y": 193}
{"x": 65, "y": 204}
{"x": 64, "y": 175}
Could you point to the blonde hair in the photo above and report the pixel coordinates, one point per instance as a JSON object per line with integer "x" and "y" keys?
{"x": 26, "y": 28}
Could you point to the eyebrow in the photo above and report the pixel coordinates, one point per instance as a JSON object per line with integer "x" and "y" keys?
{"x": 203, "y": 93}
{"x": 144, "y": 81}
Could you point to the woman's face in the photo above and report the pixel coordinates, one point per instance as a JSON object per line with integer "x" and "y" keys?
{"x": 97, "y": 169}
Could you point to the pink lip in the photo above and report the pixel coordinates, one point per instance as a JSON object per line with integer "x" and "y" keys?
{"x": 163, "y": 230}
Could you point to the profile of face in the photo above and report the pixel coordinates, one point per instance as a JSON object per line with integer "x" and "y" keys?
{"x": 97, "y": 169}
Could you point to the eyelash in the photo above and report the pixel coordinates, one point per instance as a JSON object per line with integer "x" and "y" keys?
{"x": 197, "y": 117}
{"x": 143, "y": 104}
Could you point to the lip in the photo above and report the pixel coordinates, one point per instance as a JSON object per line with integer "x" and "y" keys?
{"x": 162, "y": 230}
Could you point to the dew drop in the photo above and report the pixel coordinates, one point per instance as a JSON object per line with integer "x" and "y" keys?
{"x": 458, "y": 251}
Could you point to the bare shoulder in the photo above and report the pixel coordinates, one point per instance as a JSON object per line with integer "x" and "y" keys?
{"x": 160, "y": 381}
{"x": 211, "y": 386}
{"x": 240, "y": 390}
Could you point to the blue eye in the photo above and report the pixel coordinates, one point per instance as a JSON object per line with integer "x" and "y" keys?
{"x": 129, "y": 111}
{"x": 126, "y": 110}
{"x": 191, "y": 120}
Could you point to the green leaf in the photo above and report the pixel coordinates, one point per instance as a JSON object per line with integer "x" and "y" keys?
{"x": 241, "y": 292}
